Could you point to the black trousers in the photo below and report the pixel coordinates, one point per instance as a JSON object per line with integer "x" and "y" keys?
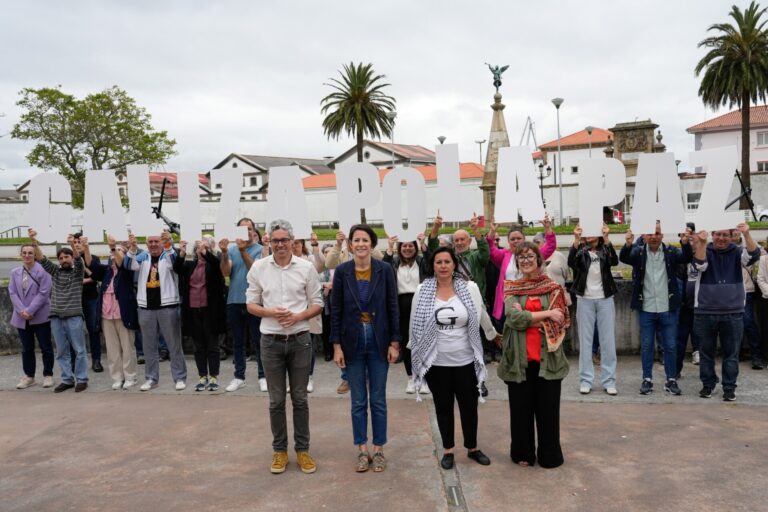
{"x": 535, "y": 401}
{"x": 404, "y": 303}
{"x": 206, "y": 343}
{"x": 445, "y": 383}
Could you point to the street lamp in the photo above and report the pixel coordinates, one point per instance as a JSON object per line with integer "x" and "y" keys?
{"x": 557, "y": 102}
{"x": 391, "y": 115}
{"x": 543, "y": 174}
{"x": 677, "y": 165}
{"x": 441, "y": 138}
{"x": 589, "y": 131}
{"x": 480, "y": 143}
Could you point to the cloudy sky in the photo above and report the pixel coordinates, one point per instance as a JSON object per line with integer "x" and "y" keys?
{"x": 247, "y": 76}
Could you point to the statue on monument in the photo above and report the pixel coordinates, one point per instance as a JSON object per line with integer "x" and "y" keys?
{"x": 497, "y": 72}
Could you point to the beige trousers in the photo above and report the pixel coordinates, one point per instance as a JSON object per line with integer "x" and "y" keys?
{"x": 121, "y": 354}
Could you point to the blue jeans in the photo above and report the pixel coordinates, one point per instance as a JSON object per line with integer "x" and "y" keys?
{"x": 750, "y": 329}
{"x": 602, "y": 311}
{"x": 684, "y": 329}
{"x": 650, "y": 324}
{"x": 367, "y": 376}
{"x": 730, "y": 328}
{"x": 91, "y": 314}
{"x": 238, "y": 320}
{"x": 68, "y": 332}
{"x": 28, "y": 360}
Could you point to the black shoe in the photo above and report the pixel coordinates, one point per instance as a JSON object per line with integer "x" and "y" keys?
{"x": 483, "y": 390}
{"x": 646, "y": 387}
{"x": 328, "y": 357}
{"x": 671, "y": 387}
{"x": 706, "y": 392}
{"x": 487, "y": 358}
{"x": 81, "y": 386}
{"x": 164, "y": 355}
{"x": 97, "y": 366}
{"x": 223, "y": 356}
{"x": 140, "y": 360}
{"x": 729, "y": 395}
{"x": 63, "y": 386}
{"x": 447, "y": 461}
{"x": 757, "y": 365}
{"x": 479, "y": 457}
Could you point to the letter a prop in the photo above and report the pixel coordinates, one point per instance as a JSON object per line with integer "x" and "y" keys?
{"x": 602, "y": 183}
{"x": 657, "y": 178}
{"x": 103, "y": 210}
{"x": 516, "y": 188}
{"x": 719, "y": 164}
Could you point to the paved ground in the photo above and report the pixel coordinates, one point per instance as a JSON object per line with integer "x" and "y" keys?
{"x": 169, "y": 451}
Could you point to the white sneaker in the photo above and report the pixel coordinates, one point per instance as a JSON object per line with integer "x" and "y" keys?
{"x": 584, "y": 389}
{"x": 128, "y": 384}
{"x": 181, "y": 385}
{"x": 287, "y": 387}
{"x": 611, "y": 391}
{"x": 410, "y": 388}
{"x": 117, "y": 385}
{"x": 263, "y": 384}
{"x": 148, "y": 384}
{"x": 235, "y": 384}
{"x": 695, "y": 357}
{"x": 310, "y": 385}
{"x": 25, "y": 382}
{"x": 424, "y": 389}
{"x": 47, "y": 381}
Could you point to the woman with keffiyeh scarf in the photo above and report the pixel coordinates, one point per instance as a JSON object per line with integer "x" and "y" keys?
{"x": 533, "y": 363}
{"x": 446, "y": 349}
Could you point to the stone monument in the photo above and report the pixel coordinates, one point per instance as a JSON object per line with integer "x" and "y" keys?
{"x": 498, "y": 138}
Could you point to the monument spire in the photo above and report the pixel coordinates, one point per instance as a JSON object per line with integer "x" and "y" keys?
{"x": 498, "y": 138}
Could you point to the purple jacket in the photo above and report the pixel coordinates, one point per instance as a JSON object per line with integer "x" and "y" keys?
{"x": 37, "y": 300}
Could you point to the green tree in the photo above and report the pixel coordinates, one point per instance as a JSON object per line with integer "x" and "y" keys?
{"x": 736, "y": 70}
{"x": 105, "y": 130}
{"x": 358, "y": 106}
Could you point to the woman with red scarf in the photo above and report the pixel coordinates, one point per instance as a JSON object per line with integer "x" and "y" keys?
{"x": 533, "y": 363}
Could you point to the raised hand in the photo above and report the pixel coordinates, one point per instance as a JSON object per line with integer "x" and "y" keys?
{"x": 111, "y": 241}
{"x": 391, "y": 241}
{"x": 183, "y": 247}
{"x": 473, "y": 222}
{"x": 340, "y": 237}
{"x": 702, "y": 236}
{"x": 438, "y": 221}
{"x": 494, "y": 228}
{"x": 32, "y": 234}
{"x": 165, "y": 237}
{"x": 132, "y": 243}
{"x": 224, "y": 244}
{"x": 743, "y": 227}
{"x": 577, "y": 235}
{"x": 241, "y": 244}
{"x": 547, "y": 223}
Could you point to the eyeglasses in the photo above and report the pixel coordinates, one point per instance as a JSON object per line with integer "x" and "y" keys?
{"x": 526, "y": 257}
{"x": 280, "y": 241}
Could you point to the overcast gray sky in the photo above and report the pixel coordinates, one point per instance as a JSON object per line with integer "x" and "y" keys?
{"x": 247, "y": 76}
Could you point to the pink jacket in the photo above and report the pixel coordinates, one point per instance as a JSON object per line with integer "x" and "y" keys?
{"x": 501, "y": 258}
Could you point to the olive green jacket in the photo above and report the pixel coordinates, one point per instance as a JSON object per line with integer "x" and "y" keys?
{"x": 476, "y": 259}
{"x": 514, "y": 356}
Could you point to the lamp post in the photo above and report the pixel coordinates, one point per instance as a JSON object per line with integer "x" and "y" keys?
{"x": 480, "y": 143}
{"x": 557, "y": 102}
{"x": 677, "y": 165}
{"x": 589, "y": 131}
{"x": 391, "y": 115}
{"x": 542, "y": 176}
{"x": 441, "y": 138}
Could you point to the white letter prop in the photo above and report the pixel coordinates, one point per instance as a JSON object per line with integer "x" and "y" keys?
{"x": 415, "y": 203}
{"x": 602, "y": 182}
{"x": 719, "y": 164}
{"x": 103, "y": 210}
{"x": 285, "y": 200}
{"x": 353, "y": 196}
{"x": 51, "y": 221}
{"x": 453, "y": 207}
{"x": 516, "y": 187}
{"x": 657, "y": 177}
{"x": 226, "y": 217}
{"x": 189, "y": 206}
{"x": 143, "y": 221}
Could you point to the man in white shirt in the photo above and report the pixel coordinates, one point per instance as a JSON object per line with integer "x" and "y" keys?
{"x": 285, "y": 292}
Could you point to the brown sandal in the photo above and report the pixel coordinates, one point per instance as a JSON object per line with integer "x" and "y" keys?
{"x": 363, "y": 462}
{"x": 379, "y": 462}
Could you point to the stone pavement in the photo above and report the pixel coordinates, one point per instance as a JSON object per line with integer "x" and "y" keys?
{"x": 117, "y": 450}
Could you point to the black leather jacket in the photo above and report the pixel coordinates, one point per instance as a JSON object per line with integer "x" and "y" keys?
{"x": 579, "y": 261}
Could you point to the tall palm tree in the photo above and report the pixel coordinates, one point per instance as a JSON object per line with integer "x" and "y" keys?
{"x": 736, "y": 70}
{"x": 358, "y": 107}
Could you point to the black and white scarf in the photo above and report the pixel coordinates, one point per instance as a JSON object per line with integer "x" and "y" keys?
{"x": 424, "y": 332}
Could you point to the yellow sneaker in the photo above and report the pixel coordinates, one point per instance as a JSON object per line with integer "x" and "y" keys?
{"x": 306, "y": 462}
{"x": 279, "y": 462}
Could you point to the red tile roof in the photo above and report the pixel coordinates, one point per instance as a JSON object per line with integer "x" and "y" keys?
{"x": 156, "y": 181}
{"x": 407, "y": 151}
{"x": 537, "y": 154}
{"x": 599, "y": 136}
{"x": 758, "y": 116}
{"x": 466, "y": 171}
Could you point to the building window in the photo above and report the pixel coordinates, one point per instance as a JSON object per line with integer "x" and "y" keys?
{"x": 234, "y": 165}
{"x": 692, "y": 200}
{"x": 762, "y": 166}
{"x": 575, "y": 169}
{"x": 367, "y": 155}
{"x": 218, "y": 185}
{"x": 762, "y": 138}
{"x": 254, "y": 181}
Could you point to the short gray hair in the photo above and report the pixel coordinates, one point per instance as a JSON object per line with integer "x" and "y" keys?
{"x": 280, "y": 224}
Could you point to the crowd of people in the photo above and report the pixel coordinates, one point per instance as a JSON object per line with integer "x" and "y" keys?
{"x": 445, "y": 307}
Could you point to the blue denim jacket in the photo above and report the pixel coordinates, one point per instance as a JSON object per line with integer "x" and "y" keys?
{"x": 382, "y": 305}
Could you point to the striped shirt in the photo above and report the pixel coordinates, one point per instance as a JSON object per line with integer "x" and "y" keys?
{"x": 66, "y": 288}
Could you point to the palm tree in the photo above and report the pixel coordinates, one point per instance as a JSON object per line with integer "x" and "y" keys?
{"x": 358, "y": 107}
{"x": 736, "y": 70}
